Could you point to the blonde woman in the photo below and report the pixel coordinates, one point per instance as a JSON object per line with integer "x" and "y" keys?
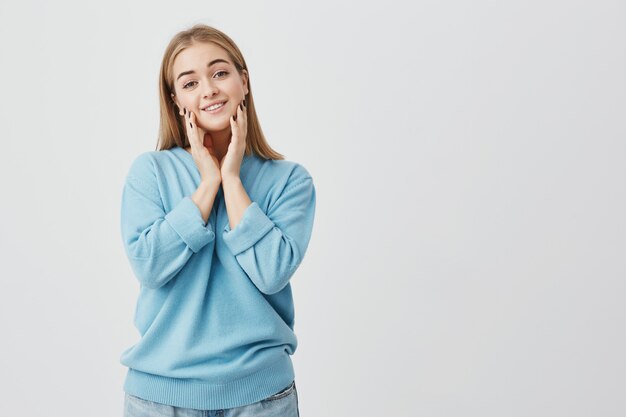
{"x": 214, "y": 223}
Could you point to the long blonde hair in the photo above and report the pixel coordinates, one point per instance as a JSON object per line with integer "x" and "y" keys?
{"x": 171, "y": 131}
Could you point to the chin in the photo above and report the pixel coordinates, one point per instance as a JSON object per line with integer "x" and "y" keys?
{"x": 216, "y": 126}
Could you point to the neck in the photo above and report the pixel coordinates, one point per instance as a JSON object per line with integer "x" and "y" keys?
{"x": 220, "y": 140}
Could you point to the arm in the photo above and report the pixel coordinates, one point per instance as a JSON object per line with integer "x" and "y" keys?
{"x": 236, "y": 199}
{"x": 270, "y": 247}
{"x": 204, "y": 197}
{"x": 158, "y": 244}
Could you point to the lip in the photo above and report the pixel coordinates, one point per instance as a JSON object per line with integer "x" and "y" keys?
{"x": 216, "y": 110}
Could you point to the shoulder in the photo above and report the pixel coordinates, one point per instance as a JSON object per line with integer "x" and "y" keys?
{"x": 286, "y": 171}
{"x": 281, "y": 180}
{"x": 145, "y": 164}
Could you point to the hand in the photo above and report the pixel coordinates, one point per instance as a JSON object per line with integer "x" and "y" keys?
{"x": 202, "y": 152}
{"x": 230, "y": 164}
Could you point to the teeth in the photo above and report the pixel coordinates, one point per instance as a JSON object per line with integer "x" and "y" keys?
{"x": 215, "y": 106}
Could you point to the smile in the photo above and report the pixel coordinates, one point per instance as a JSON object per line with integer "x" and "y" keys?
{"x": 214, "y": 108}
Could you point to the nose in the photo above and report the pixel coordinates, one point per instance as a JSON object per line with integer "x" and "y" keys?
{"x": 210, "y": 90}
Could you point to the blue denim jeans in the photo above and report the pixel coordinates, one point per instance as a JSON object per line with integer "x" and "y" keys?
{"x": 282, "y": 404}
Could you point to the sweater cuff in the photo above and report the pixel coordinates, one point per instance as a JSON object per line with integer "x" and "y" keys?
{"x": 254, "y": 224}
{"x": 187, "y": 221}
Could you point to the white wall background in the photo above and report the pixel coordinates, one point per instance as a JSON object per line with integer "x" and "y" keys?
{"x": 468, "y": 255}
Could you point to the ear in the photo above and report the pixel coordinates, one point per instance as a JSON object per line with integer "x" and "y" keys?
{"x": 175, "y": 100}
{"x": 244, "y": 76}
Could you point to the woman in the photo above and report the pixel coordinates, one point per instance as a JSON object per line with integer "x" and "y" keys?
{"x": 214, "y": 223}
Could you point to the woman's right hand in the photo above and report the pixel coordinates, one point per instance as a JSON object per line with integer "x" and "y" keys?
{"x": 204, "y": 156}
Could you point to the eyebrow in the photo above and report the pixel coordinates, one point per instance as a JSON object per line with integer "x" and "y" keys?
{"x": 215, "y": 61}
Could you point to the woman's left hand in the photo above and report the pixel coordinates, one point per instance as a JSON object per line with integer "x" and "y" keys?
{"x": 231, "y": 162}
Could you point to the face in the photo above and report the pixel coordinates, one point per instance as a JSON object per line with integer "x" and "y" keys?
{"x": 203, "y": 75}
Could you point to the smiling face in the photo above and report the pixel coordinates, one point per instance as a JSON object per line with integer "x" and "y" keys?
{"x": 204, "y": 75}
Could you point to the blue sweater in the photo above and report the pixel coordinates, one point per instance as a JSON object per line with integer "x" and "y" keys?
{"x": 215, "y": 309}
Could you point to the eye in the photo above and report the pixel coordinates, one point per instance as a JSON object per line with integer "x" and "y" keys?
{"x": 218, "y": 72}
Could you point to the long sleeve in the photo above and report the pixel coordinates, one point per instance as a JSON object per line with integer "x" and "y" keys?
{"x": 270, "y": 247}
{"x": 158, "y": 244}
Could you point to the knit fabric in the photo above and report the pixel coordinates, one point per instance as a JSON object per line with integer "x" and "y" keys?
{"x": 215, "y": 309}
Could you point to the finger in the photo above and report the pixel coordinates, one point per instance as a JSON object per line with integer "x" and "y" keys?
{"x": 242, "y": 108}
{"x": 192, "y": 130}
{"x": 188, "y": 126}
{"x": 197, "y": 131}
{"x": 239, "y": 113}
{"x": 192, "y": 121}
{"x": 244, "y": 118}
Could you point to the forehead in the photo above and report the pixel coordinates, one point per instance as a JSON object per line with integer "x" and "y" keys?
{"x": 197, "y": 56}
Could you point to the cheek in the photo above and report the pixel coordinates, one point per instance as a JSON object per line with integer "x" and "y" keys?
{"x": 187, "y": 103}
